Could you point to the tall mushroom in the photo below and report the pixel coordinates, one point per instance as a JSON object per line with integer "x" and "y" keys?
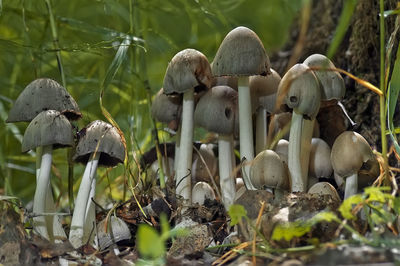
{"x": 242, "y": 54}
{"x": 263, "y": 91}
{"x": 49, "y": 130}
{"x": 100, "y": 145}
{"x": 349, "y": 152}
{"x": 188, "y": 71}
{"x": 217, "y": 112}
{"x": 303, "y": 95}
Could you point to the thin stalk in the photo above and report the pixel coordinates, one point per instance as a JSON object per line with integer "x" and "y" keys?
{"x": 305, "y": 149}
{"x": 261, "y": 130}
{"x": 382, "y": 88}
{"x": 78, "y": 235}
{"x": 227, "y": 182}
{"x": 245, "y": 130}
{"x": 177, "y": 147}
{"x": 90, "y": 215}
{"x": 183, "y": 173}
{"x": 294, "y": 153}
{"x": 351, "y": 186}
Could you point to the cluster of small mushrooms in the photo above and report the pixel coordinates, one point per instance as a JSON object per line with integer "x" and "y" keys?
{"x": 49, "y": 108}
{"x": 223, "y": 96}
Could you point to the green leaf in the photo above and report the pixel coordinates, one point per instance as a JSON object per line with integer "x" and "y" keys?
{"x": 149, "y": 242}
{"x": 376, "y": 194}
{"x": 236, "y": 212}
{"x": 290, "y": 230}
{"x": 347, "y": 206}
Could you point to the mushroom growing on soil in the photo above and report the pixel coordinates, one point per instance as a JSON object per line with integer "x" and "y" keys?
{"x": 100, "y": 145}
{"x": 202, "y": 191}
{"x": 188, "y": 71}
{"x": 49, "y": 130}
{"x": 320, "y": 165}
{"x": 349, "y": 152}
{"x": 217, "y": 112}
{"x": 324, "y": 188}
{"x": 242, "y": 54}
{"x": 263, "y": 93}
{"x": 303, "y": 95}
{"x": 201, "y": 171}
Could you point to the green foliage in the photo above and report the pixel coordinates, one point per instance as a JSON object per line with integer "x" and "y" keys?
{"x": 347, "y": 206}
{"x": 236, "y": 212}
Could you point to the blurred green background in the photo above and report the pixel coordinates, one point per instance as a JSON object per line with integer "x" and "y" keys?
{"x": 89, "y": 34}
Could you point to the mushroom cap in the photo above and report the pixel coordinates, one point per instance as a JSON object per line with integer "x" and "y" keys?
{"x": 202, "y": 191}
{"x": 241, "y": 53}
{"x": 263, "y": 90}
{"x": 331, "y": 82}
{"x": 217, "y": 110}
{"x": 282, "y": 149}
{"x": 188, "y": 69}
{"x": 166, "y": 108}
{"x": 112, "y": 231}
{"x": 48, "y": 128}
{"x": 349, "y": 152}
{"x": 231, "y": 81}
{"x": 111, "y": 147}
{"x": 41, "y": 95}
{"x": 280, "y": 120}
{"x": 324, "y": 188}
{"x": 320, "y": 159}
{"x": 302, "y": 90}
{"x": 199, "y": 169}
{"x": 268, "y": 170}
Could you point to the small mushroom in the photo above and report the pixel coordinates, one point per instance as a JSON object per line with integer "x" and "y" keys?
{"x": 101, "y": 145}
{"x": 349, "y": 152}
{"x": 324, "y": 188}
{"x": 320, "y": 159}
{"x": 199, "y": 169}
{"x": 188, "y": 70}
{"x": 112, "y": 231}
{"x": 202, "y": 191}
{"x": 49, "y": 130}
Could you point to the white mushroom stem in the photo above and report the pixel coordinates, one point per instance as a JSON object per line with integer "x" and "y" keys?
{"x": 261, "y": 130}
{"x": 245, "y": 130}
{"x": 294, "y": 153}
{"x": 183, "y": 175}
{"x": 53, "y": 224}
{"x": 306, "y": 137}
{"x": 227, "y": 182}
{"x": 177, "y": 147}
{"x": 351, "y": 186}
{"x": 90, "y": 215}
{"x": 79, "y": 233}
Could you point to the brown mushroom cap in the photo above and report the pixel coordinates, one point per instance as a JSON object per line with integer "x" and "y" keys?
{"x": 280, "y": 120}
{"x": 349, "y": 152}
{"x": 268, "y": 170}
{"x": 241, "y": 53}
{"x": 41, "y": 95}
{"x": 48, "y": 128}
{"x": 188, "y": 69}
{"x": 166, "y": 108}
{"x": 111, "y": 146}
{"x": 199, "y": 169}
{"x": 217, "y": 110}
{"x": 320, "y": 159}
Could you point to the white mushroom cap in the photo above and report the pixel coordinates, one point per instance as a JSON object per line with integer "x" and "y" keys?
{"x": 202, "y": 191}
{"x": 324, "y": 188}
{"x": 320, "y": 159}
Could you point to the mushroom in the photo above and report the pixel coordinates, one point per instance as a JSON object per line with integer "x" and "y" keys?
{"x": 111, "y": 231}
{"x": 303, "y": 95}
{"x": 40, "y": 95}
{"x": 202, "y": 191}
{"x": 188, "y": 71}
{"x": 201, "y": 171}
{"x": 320, "y": 159}
{"x": 216, "y": 111}
{"x": 48, "y": 130}
{"x": 268, "y": 171}
{"x": 349, "y": 152}
{"x": 324, "y": 188}
{"x": 242, "y": 54}
{"x": 263, "y": 91}
{"x": 100, "y": 145}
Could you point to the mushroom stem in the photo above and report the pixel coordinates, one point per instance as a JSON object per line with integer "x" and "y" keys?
{"x": 245, "y": 130}
{"x": 351, "y": 186}
{"x": 53, "y": 224}
{"x": 90, "y": 215}
{"x": 305, "y": 149}
{"x": 261, "y": 130}
{"x": 227, "y": 182}
{"x": 294, "y": 153}
{"x": 79, "y": 234}
{"x": 183, "y": 172}
{"x": 177, "y": 147}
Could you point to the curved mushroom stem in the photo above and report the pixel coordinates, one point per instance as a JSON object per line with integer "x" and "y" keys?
{"x": 47, "y": 226}
{"x": 294, "y": 153}
{"x": 245, "y": 130}
{"x": 227, "y": 182}
{"x": 90, "y": 216}
{"x": 351, "y": 186}
{"x": 79, "y": 234}
{"x": 261, "y": 130}
{"x": 183, "y": 175}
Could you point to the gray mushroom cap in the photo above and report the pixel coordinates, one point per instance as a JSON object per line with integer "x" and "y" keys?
{"x": 217, "y": 110}
{"x": 331, "y": 82}
{"x": 166, "y": 108}
{"x": 241, "y": 53}
{"x": 48, "y": 128}
{"x": 111, "y": 146}
{"x": 263, "y": 91}
{"x": 41, "y": 95}
{"x": 324, "y": 188}
{"x": 188, "y": 69}
{"x": 320, "y": 159}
